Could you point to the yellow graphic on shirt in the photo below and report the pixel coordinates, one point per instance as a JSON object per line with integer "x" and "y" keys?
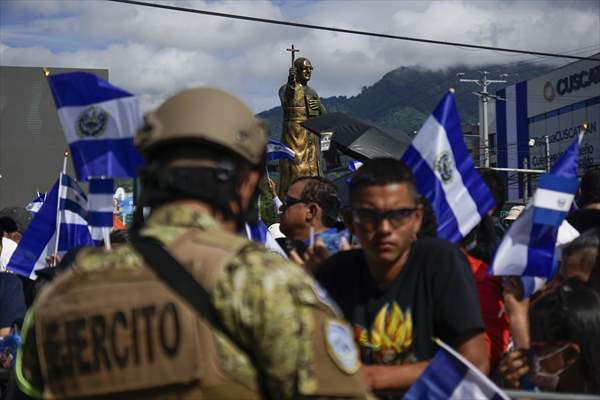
{"x": 391, "y": 336}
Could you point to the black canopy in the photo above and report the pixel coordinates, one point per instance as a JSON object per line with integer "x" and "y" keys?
{"x": 359, "y": 139}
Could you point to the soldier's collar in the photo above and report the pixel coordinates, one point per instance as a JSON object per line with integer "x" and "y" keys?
{"x": 182, "y": 216}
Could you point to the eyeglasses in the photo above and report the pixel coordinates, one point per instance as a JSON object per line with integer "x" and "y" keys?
{"x": 290, "y": 201}
{"x": 371, "y": 219}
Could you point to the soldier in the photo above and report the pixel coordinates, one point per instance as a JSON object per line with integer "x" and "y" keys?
{"x": 115, "y": 325}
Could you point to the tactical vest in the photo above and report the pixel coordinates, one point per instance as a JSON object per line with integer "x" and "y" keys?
{"x": 119, "y": 332}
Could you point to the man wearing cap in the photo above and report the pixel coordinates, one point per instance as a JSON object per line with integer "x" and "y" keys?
{"x": 133, "y": 323}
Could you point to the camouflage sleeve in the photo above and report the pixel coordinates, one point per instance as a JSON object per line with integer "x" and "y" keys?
{"x": 27, "y": 370}
{"x": 265, "y": 302}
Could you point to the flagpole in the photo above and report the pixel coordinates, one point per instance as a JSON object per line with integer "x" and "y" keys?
{"x": 105, "y": 231}
{"x": 58, "y": 214}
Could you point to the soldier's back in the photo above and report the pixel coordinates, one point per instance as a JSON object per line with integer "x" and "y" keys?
{"x": 110, "y": 327}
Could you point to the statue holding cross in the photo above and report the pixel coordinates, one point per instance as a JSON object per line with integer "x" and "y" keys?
{"x": 299, "y": 103}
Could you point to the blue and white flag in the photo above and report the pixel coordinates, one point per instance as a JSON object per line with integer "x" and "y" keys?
{"x": 529, "y": 246}
{"x": 100, "y": 209}
{"x": 67, "y": 201}
{"x": 450, "y": 376}
{"x": 36, "y": 203}
{"x": 354, "y": 165}
{"x": 278, "y": 151}
{"x": 445, "y": 173}
{"x": 99, "y": 121}
{"x": 260, "y": 233}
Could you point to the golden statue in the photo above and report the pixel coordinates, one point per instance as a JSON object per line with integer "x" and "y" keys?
{"x": 299, "y": 103}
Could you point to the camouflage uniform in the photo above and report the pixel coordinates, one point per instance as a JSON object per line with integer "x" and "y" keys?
{"x": 71, "y": 348}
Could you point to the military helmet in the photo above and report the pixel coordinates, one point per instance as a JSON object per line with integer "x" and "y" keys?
{"x": 205, "y": 115}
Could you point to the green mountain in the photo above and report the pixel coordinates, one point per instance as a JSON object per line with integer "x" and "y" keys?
{"x": 404, "y": 98}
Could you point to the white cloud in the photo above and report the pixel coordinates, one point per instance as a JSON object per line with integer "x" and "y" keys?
{"x": 156, "y": 52}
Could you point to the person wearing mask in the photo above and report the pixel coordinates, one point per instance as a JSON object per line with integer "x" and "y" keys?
{"x": 564, "y": 354}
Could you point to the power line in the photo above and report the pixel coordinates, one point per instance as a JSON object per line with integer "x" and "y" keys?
{"x": 350, "y": 31}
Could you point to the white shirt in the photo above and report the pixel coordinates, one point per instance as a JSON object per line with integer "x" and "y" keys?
{"x": 8, "y": 248}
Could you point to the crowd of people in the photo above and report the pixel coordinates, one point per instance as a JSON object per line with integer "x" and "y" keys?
{"x": 344, "y": 303}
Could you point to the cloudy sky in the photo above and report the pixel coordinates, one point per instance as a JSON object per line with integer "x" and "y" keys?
{"x": 154, "y": 52}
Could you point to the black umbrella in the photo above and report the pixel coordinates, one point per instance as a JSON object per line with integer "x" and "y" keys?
{"x": 357, "y": 138}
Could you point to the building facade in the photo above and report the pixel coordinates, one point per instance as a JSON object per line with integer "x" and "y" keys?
{"x": 32, "y": 143}
{"x": 554, "y": 105}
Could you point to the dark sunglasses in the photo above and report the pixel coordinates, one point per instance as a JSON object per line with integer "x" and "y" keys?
{"x": 372, "y": 218}
{"x": 290, "y": 201}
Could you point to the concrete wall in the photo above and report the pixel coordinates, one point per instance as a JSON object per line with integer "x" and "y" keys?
{"x": 32, "y": 142}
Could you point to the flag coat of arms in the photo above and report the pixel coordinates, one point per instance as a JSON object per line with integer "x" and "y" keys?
{"x": 445, "y": 174}
{"x": 278, "y": 151}
{"x": 99, "y": 121}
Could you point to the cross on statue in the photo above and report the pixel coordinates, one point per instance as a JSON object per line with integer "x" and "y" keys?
{"x": 293, "y": 51}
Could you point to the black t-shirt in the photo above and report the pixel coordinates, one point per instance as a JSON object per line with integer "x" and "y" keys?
{"x": 12, "y": 300}
{"x": 584, "y": 219}
{"x": 433, "y": 296}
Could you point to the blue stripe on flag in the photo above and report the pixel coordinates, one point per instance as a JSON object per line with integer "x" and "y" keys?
{"x": 427, "y": 182}
{"x": 104, "y": 186}
{"x": 448, "y": 117}
{"x": 546, "y": 216}
{"x": 73, "y": 235}
{"x": 119, "y": 154}
{"x": 558, "y": 183}
{"x": 442, "y": 376}
{"x": 70, "y": 205}
{"x": 96, "y": 218}
{"x": 67, "y": 181}
{"x": 81, "y": 89}
{"x": 540, "y": 252}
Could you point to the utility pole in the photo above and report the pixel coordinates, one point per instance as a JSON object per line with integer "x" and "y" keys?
{"x": 547, "y": 146}
{"x": 484, "y": 95}
{"x": 546, "y": 143}
{"x": 525, "y": 182}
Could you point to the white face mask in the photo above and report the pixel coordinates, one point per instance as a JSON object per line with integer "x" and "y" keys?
{"x": 544, "y": 380}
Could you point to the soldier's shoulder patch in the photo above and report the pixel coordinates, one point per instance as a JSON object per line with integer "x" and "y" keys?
{"x": 341, "y": 347}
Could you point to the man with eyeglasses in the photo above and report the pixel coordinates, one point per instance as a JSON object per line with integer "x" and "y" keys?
{"x": 397, "y": 291}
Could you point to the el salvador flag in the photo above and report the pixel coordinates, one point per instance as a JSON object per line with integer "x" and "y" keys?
{"x": 100, "y": 209}
{"x": 99, "y": 121}
{"x": 278, "y": 151}
{"x": 529, "y": 246}
{"x": 354, "y": 165}
{"x": 67, "y": 201}
{"x": 260, "y": 233}
{"x": 36, "y": 203}
{"x": 445, "y": 173}
{"x": 451, "y": 376}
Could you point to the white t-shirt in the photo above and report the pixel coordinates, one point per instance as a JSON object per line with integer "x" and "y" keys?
{"x": 8, "y": 248}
